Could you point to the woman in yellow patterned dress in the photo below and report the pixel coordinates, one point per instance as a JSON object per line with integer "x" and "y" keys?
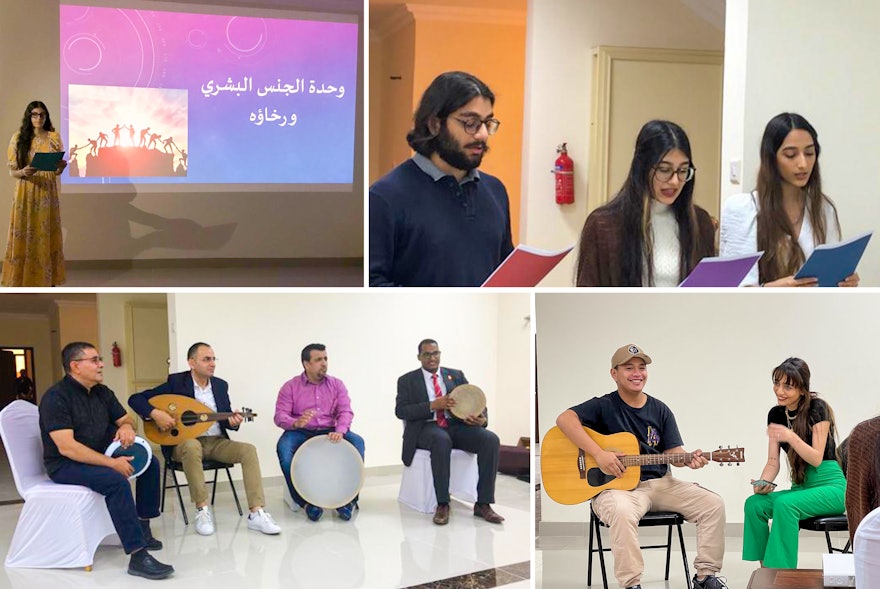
{"x": 34, "y": 255}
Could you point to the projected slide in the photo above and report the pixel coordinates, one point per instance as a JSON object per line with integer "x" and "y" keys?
{"x": 171, "y": 97}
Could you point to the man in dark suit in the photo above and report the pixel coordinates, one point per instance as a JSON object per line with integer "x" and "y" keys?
{"x": 422, "y": 402}
{"x": 200, "y": 383}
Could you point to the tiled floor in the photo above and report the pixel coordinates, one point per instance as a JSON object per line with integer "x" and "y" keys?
{"x": 386, "y": 545}
{"x": 259, "y": 274}
{"x": 561, "y": 561}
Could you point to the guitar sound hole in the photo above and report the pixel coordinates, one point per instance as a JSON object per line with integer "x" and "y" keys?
{"x": 174, "y": 431}
{"x": 189, "y": 418}
{"x": 597, "y": 478}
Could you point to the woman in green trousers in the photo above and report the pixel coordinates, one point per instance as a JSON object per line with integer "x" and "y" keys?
{"x": 802, "y": 426}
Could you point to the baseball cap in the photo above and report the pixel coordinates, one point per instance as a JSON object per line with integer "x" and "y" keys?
{"x": 626, "y": 353}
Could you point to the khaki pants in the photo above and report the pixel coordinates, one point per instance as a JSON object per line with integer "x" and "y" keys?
{"x": 622, "y": 510}
{"x": 191, "y": 453}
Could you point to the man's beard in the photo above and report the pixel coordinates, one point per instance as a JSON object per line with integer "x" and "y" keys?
{"x": 451, "y": 153}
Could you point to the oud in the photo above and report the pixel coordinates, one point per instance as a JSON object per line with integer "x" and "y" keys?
{"x": 192, "y": 419}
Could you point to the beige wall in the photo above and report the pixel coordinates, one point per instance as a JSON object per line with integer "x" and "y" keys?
{"x": 830, "y": 78}
{"x": 31, "y": 330}
{"x": 163, "y": 225}
{"x": 559, "y": 41}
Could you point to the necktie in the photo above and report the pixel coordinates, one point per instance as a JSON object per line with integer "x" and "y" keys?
{"x": 441, "y": 415}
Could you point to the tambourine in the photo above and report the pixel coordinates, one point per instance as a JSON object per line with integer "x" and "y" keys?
{"x": 469, "y": 400}
{"x": 327, "y": 474}
{"x": 140, "y": 452}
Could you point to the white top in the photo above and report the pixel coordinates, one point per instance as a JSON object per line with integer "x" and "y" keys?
{"x": 667, "y": 250}
{"x": 866, "y": 551}
{"x": 206, "y": 397}
{"x": 739, "y": 230}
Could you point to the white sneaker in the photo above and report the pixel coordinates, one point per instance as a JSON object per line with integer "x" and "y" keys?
{"x": 261, "y": 521}
{"x": 204, "y": 521}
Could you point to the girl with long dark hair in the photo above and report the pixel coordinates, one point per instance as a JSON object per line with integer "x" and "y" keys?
{"x": 801, "y": 426}
{"x": 34, "y": 255}
{"x": 651, "y": 233}
{"x": 787, "y": 215}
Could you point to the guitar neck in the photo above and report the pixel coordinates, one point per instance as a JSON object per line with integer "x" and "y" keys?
{"x": 646, "y": 459}
{"x": 214, "y": 416}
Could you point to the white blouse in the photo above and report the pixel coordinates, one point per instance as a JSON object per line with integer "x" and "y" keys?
{"x": 739, "y": 230}
{"x": 667, "y": 250}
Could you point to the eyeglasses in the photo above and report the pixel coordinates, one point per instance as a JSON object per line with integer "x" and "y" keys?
{"x": 472, "y": 126}
{"x": 38, "y": 115}
{"x": 93, "y": 360}
{"x": 431, "y": 354}
{"x": 664, "y": 173}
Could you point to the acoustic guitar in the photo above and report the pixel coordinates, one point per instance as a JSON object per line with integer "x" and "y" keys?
{"x": 570, "y": 475}
{"x": 192, "y": 419}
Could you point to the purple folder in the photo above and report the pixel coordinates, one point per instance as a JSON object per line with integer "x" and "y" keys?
{"x": 721, "y": 272}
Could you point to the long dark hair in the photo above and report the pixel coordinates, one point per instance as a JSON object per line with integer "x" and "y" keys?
{"x": 26, "y": 133}
{"x": 776, "y": 236}
{"x": 796, "y": 373}
{"x": 632, "y": 205}
{"x": 446, "y": 94}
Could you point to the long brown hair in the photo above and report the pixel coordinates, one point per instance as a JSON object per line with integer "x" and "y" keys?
{"x": 26, "y": 133}
{"x": 796, "y": 373}
{"x": 776, "y": 236}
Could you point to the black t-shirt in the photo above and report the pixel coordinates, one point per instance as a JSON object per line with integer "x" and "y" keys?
{"x": 90, "y": 414}
{"x": 818, "y": 412}
{"x": 653, "y": 425}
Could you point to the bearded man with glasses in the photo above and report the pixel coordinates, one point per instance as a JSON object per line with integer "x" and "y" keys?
{"x": 435, "y": 220}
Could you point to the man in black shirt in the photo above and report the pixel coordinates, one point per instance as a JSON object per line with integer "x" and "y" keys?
{"x": 629, "y": 409}
{"x": 79, "y": 418}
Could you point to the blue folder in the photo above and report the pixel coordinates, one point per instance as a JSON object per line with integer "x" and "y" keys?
{"x": 831, "y": 263}
{"x": 47, "y": 161}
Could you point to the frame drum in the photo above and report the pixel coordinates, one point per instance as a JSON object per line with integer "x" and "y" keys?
{"x": 140, "y": 452}
{"x": 469, "y": 400}
{"x": 327, "y": 474}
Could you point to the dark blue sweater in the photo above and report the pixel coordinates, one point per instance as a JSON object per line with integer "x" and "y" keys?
{"x": 436, "y": 233}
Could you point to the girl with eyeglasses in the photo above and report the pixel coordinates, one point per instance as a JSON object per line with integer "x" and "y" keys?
{"x": 787, "y": 215}
{"x": 800, "y": 425}
{"x": 34, "y": 254}
{"x": 651, "y": 233}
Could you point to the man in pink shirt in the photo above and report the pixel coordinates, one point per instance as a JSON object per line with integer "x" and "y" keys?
{"x": 309, "y": 405}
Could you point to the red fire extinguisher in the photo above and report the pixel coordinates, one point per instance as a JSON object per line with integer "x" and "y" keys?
{"x": 117, "y": 355}
{"x": 564, "y": 171}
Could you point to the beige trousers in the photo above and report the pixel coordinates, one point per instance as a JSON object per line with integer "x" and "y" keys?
{"x": 191, "y": 453}
{"x": 622, "y": 510}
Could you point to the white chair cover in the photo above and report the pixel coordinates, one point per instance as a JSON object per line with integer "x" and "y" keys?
{"x": 60, "y": 526}
{"x": 417, "y": 481}
{"x": 866, "y": 551}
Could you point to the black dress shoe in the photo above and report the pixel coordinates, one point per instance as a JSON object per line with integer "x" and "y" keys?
{"x": 144, "y": 565}
{"x": 485, "y": 511}
{"x": 441, "y": 514}
{"x": 153, "y": 543}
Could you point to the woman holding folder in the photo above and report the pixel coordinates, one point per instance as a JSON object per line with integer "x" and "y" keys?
{"x": 787, "y": 215}
{"x": 33, "y": 251}
{"x": 651, "y": 233}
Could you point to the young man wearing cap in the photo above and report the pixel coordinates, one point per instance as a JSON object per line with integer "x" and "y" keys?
{"x": 630, "y": 409}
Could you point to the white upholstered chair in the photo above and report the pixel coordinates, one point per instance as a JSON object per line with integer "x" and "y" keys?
{"x": 60, "y": 526}
{"x": 417, "y": 481}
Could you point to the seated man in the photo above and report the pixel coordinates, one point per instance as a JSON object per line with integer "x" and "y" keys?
{"x": 79, "y": 418}
{"x": 863, "y": 473}
{"x": 630, "y": 409}
{"x": 309, "y": 405}
{"x": 422, "y": 401}
{"x": 200, "y": 383}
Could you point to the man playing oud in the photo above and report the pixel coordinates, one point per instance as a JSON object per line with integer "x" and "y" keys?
{"x": 630, "y": 409}
{"x": 200, "y": 383}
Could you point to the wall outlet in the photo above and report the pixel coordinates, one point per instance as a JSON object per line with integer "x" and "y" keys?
{"x": 736, "y": 171}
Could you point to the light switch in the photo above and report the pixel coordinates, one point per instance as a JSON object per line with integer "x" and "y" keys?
{"x": 735, "y": 171}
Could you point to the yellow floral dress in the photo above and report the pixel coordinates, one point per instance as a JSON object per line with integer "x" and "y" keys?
{"x": 34, "y": 255}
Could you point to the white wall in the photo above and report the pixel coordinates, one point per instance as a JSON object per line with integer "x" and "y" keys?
{"x": 818, "y": 59}
{"x": 371, "y": 340}
{"x": 713, "y": 355}
{"x": 165, "y": 225}
{"x": 560, "y": 37}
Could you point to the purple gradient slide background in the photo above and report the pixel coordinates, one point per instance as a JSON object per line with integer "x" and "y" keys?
{"x": 149, "y": 49}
